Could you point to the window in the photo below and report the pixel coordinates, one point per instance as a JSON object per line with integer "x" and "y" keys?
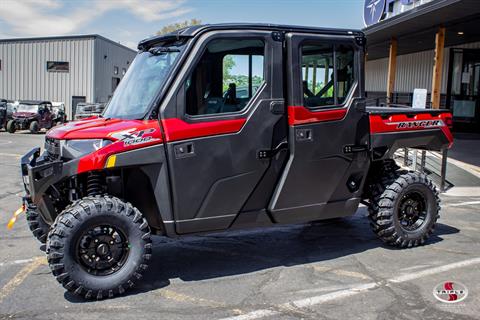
{"x": 57, "y": 66}
{"x": 226, "y": 78}
{"x": 0, "y": 64}
{"x": 115, "y": 83}
{"x": 115, "y": 70}
{"x": 124, "y": 71}
{"x": 345, "y": 64}
{"x": 327, "y": 74}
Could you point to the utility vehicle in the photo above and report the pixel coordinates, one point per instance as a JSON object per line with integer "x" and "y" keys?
{"x": 177, "y": 152}
{"x": 86, "y": 110}
{"x": 59, "y": 116}
{"x": 31, "y": 115}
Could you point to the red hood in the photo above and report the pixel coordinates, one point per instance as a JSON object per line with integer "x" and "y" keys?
{"x": 96, "y": 128}
{"x": 24, "y": 114}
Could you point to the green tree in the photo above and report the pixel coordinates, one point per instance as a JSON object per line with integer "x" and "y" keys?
{"x": 179, "y": 25}
{"x": 228, "y": 64}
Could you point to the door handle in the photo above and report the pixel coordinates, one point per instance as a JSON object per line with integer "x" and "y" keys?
{"x": 303, "y": 135}
{"x": 184, "y": 150}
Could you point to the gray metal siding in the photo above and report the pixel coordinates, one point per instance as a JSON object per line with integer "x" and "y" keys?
{"x": 24, "y": 73}
{"x": 104, "y": 67}
{"x": 413, "y": 71}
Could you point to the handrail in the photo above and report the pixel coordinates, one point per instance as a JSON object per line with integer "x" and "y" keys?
{"x": 429, "y": 162}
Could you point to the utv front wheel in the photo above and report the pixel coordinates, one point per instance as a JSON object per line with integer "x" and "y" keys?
{"x": 99, "y": 247}
{"x": 11, "y": 126}
{"x": 34, "y": 127}
{"x": 405, "y": 209}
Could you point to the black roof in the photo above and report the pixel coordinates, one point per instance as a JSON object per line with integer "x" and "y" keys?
{"x": 34, "y": 102}
{"x": 190, "y": 32}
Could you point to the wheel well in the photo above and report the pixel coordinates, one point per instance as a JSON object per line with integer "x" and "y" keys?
{"x": 378, "y": 170}
{"x": 133, "y": 185}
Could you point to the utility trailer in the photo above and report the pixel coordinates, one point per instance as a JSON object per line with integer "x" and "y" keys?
{"x": 179, "y": 151}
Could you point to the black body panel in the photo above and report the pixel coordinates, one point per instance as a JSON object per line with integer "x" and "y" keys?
{"x": 212, "y": 185}
{"x": 38, "y": 174}
{"x": 315, "y": 182}
{"x": 148, "y": 166}
{"x": 433, "y": 139}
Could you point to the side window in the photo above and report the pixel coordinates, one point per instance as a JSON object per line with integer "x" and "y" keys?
{"x": 317, "y": 75}
{"x": 327, "y": 74}
{"x": 226, "y": 78}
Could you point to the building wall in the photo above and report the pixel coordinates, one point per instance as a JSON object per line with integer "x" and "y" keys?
{"x": 24, "y": 75}
{"x": 413, "y": 71}
{"x": 109, "y": 55}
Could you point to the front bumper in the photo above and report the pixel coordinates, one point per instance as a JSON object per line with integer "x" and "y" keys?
{"x": 22, "y": 123}
{"x": 38, "y": 174}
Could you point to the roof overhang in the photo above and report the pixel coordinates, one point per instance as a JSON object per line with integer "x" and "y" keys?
{"x": 415, "y": 29}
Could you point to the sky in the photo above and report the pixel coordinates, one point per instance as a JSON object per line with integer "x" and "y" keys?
{"x": 129, "y": 21}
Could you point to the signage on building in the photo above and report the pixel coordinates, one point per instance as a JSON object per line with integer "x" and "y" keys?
{"x": 375, "y": 11}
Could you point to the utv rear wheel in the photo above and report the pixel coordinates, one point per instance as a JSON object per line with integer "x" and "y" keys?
{"x": 37, "y": 224}
{"x": 11, "y": 126}
{"x": 99, "y": 247}
{"x": 34, "y": 127}
{"x": 405, "y": 209}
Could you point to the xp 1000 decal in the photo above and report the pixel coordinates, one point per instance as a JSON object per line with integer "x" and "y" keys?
{"x": 135, "y": 137}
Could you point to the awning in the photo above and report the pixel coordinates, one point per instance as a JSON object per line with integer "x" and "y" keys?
{"x": 415, "y": 29}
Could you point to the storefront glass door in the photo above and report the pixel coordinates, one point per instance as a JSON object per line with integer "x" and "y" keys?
{"x": 464, "y": 89}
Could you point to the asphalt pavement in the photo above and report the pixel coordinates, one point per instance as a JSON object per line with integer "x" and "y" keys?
{"x": 324, "y": 270}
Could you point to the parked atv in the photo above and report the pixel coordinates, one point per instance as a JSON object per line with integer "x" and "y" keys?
{"x": 33, "y": 116}
{"x": 175, "y": 155}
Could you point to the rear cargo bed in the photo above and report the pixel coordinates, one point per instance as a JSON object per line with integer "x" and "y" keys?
{"x": 409, "y": 111}
{"x": 392, "y": 128}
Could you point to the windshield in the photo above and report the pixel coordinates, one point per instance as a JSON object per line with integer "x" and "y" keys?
{"x": 141, "y": 83}
{"x": 33, "y": 108}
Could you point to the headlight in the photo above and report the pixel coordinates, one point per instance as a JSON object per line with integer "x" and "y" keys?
{"x": 72, "y": 149}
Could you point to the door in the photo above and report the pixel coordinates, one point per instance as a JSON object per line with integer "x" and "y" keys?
{"x": 328, "y": 130}
{"x": 76, "y": 100}
{"x": 221, "y": 126}
{"x": 464, "y": 88}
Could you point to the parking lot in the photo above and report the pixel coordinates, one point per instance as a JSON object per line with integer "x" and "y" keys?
{"x": 325, "y": 270}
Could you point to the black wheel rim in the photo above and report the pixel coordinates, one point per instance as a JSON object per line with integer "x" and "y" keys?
{"x": 412, "y": 211}
{"x": 103, "y": 250}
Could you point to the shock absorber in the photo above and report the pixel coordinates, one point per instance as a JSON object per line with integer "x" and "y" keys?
{"x": 94, "y": 184}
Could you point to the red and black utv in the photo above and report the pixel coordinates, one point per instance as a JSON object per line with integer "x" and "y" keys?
{"x": 181, "y": 150}
{"x": 33, "y": 116}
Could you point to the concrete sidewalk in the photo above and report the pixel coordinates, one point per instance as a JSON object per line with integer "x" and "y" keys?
{"x": 466, "y": 148}
{"x": 463, "y": 169}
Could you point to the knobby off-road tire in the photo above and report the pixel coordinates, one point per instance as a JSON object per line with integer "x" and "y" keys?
{"x": 34, "y": 127}
{"x": 404, "y": 208}
{"x": 11, "y": 126}
{"x": 37, "y": 224}
{"x": 81, "y": 226}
